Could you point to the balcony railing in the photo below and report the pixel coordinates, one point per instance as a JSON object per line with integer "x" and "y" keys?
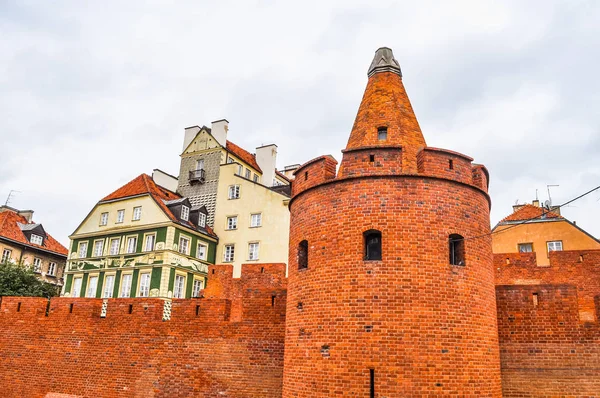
{"x": 197, "y": 176}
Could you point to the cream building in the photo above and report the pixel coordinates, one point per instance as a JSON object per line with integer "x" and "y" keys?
{"x": 246, "y": 197}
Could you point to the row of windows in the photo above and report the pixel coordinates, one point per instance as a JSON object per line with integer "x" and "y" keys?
{"x": 240, "y": 170}
{"x": 255, "y": 221}
{"x": 229, "y": 252}
{"x": 551, "y": 246}
{"x": 120, "y": 216}
{"x": 372, "y": 243}
{"x": 143, "y": 288}
{"x": 37, "y": 263}
{"x": 184, "y": 248}
{"x": 114, "y": 246}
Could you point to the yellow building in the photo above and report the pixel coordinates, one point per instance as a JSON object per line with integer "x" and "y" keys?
{"x": 143, "y": 240}
{"x": 245, "y": 196}
{"x": 531, "y": 228}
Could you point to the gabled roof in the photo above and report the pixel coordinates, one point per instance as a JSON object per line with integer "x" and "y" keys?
{"x": 531, "y": 212}
{"x": 243, "y": 154}
{"x": 280, "y": 174}
{"x": 10, "y": 229}
{"x": 145, "y": 185}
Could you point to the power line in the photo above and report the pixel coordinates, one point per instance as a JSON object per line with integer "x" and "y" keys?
{"x": 546, "y": 211}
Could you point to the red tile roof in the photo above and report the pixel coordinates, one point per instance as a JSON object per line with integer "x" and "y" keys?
{"x": 243, "y": 154}
{"x": 530, "y": 212}
{"x": 145, "y": 185}
{"x": 9, "y": 229}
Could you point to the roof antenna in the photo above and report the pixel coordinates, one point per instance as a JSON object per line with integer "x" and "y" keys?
{"x": 10, "y": 195}
{"x": 550, "y": 197}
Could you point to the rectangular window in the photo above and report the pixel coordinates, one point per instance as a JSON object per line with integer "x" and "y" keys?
{"x": 198, "y": 285}
{"x": 36, "y": 239}
{"x": 232, "y": 222}
{"x": 201, "y": 220}
{"x": 37, "y": 265}
{"x": 185, "y": 213}
{"x": 240, "y": 170}
{"x": 229, "y": 253}
{"x": 179, "y": 286}
{"x": 382, "y": 133}
{"x": 144, "y": 285}
{"x": 92, "y": 285}
{"x": 76, "y": 287}
{"x": 248, "y": 173}
{"x": 234, "y": 192}
{"x": 131, "y": 244}
{"x": 98, "y": 248}
{"x": 253, "y": 251}
{"x": 184, "y": 245}
{"x": 256, "y": 220}
{"x": 150, "y": 242}
{"x": 137, "y": 213}
{"x": 200, "y": 164}
{"x": 125, "y": 286}
{"x": 82, "y": 252}
{"x": 255, "y": 177}
{"x": 525, "y": 247}
{"x": 103, "y": 218}
{"x": 6, "y": 255}
{"x": 555, "y": 245}
{"x": 51, "y": 269}
{"x": 120, "y": 216}
{"x": 201, "y": 252}
{"x": 114, "y": 246}
{"x": 109, "y": 286}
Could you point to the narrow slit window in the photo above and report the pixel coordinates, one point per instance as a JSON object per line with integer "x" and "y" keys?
{"x": 382, "y": 133}
{"x": 303, "y": 255}
{"x": 535, "y": 299}
{"x": 457, "y": 249}
{"x": 372, "y": 245}
{"x": 450, "y": 164}
{"x": 371, "y": 158}
{"x": 305, "y": 175}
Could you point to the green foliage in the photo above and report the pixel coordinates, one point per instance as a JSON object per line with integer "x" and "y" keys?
{"x": 18, "y": 280}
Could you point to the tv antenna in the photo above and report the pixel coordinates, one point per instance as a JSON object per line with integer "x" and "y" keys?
{"x": 549, "y": 201}
{"x": 10, "y": 195}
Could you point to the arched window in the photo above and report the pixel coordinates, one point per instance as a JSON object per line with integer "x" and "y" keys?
{"x": 456, "y": 249}
{"x": 372, "y": 244}
{"x": 303, "y": 255}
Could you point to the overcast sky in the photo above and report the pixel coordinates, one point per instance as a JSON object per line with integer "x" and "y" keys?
{"x": 94, "y": 93}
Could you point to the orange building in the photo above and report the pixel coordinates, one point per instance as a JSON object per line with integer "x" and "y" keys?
{"x": 531, "y": 228}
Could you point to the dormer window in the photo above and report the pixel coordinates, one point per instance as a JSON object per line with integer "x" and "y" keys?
{"x": 202, "y": 220}
{"x": 36, "y": 239}
{"x": 382, "y": 133}
{"x": 185, "y": 213}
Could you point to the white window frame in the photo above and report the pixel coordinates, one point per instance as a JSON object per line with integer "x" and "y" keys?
{"x": 187, "y": 245}
{"x": 128, "y": 248}
{"x": 201, "y": 219}
{"x": 256, "y": 177}
{"x": 76, "y": 290}
{"x": 555, "y": 244}
{"x": 37, "y": 265}
{"x": 205, "y": 246}
{"x": 200, "y": 164}
{"x": 528, "y": 244}
{"x": 146, "y": 237}
{"x": 248, "y": 173}
{"x": 240, "y": 170}
{"x": 185, "y": 213}
{"x": 179, "y": 289}
{"x": 196, "y": 287}
{"x": 234, "y": 192}
{"x": 144, "y": 285}
{"x": 51, "y": 269}
{"x": 229, "y": 253}
{"x": 122, "y": 292}
{"x": 103, "y": 219}
{"x": 108, "y": 289}
{"x": 232, "y": 222}
{"x": 82, "y": 247}
{"x": 110, "y": 246}
{"x": 137, "y": 213}
{"x": 36, "y": 239}
{"x": 91, "y": 291}
{"x": 6, "y": 255}
{"x": 255, "y": 220}
{"x": 120, "y": 216}
{"x": 98, "y": 253}
{"x": 253, "y": 251}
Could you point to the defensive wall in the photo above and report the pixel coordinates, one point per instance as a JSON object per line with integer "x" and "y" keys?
{"x": 548, "y": 324}
{"x": 227, "y": 344}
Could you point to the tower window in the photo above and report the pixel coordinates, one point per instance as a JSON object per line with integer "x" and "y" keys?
{"x": 457, "y": 249}
{"x": 371, "y": 158}
{"x": 303, "y": 255}
{"x": 382, "y": 133}
{"x": 305, "y": 175}
{"x": 450, "y": 164}
{"x": 372, "y": 245}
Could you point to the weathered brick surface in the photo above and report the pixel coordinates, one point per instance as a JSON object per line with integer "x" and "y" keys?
{"x": 200, "y": 352}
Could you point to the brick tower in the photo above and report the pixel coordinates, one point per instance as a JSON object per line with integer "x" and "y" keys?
{"x": 385, "y": 298}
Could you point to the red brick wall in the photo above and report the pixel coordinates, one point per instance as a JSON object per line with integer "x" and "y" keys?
{"x": 199, "y": 352}
{"x": 358, "y": 162}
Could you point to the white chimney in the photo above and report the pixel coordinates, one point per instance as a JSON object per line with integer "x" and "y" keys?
{"x": 219, "y": 131}
{"x": 190, "y": 134}
{"x": 164, "y": 180}
{"x": 266, "y": 157}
